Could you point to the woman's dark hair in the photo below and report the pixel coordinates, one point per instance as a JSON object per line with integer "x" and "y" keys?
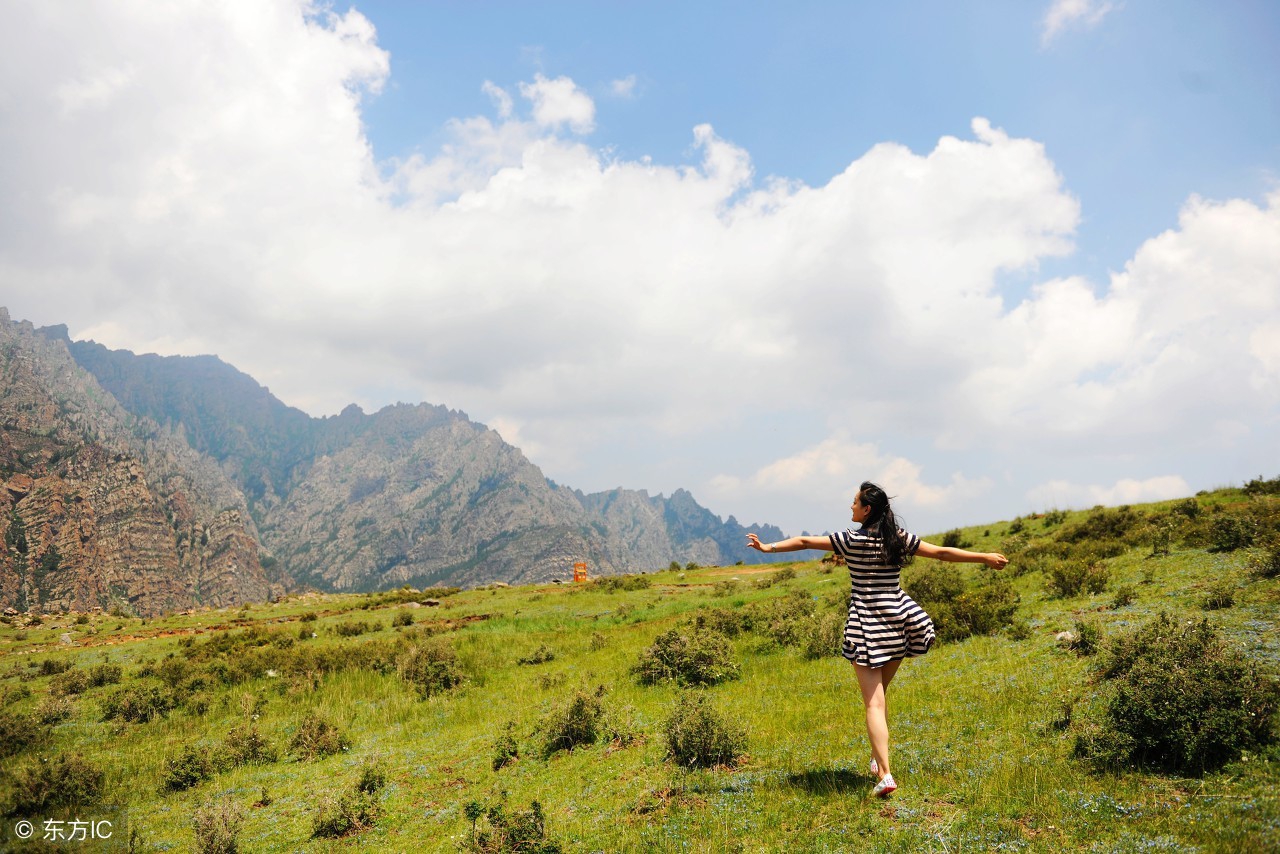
{"x": 893, "y": 546}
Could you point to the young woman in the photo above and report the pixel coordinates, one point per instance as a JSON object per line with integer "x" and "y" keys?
{"x": 885, "y": 625}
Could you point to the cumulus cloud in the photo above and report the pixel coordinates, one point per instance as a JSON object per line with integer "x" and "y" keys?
{"x": 202, "y": 182}
{"x": 1062, "y": 494}
{"x": 558, "y": 102}
{"x": 624, "y": 87}
{"x": 1073, "y": 14}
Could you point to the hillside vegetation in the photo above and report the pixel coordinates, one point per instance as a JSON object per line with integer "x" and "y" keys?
{"x": 1114, "y": 689}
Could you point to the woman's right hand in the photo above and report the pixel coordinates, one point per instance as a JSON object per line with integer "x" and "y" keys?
{"x": 754, "y": 542}
{"x": 995, "y": 560}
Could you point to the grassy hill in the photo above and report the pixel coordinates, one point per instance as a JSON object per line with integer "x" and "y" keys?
{"x": 204, "y": 717}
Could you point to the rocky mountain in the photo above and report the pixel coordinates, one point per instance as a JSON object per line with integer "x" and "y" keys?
{"x": 412, "y": 494}
{"x": 101, "y": 508}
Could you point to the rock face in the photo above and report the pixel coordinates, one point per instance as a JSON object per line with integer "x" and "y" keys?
{"x": 102, "y": 509}
{"x": 173, "y": 481}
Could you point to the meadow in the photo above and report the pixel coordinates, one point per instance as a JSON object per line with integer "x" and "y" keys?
{"x": 544, "y": 717}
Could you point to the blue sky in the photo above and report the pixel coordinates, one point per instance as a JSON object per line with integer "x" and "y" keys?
{"x": 1002, "y": 257}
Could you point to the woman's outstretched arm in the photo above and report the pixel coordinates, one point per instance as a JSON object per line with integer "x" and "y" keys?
{"x": 790, "y": 544}
{"x": 994, "y": 560}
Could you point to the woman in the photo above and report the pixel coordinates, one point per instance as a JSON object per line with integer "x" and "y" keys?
{"x": 885, "y": 625}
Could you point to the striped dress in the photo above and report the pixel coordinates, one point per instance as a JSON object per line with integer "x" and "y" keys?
{"x": 884, "y": 623}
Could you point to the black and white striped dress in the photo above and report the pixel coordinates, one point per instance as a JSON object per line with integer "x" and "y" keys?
{"x": 885, "y": 624}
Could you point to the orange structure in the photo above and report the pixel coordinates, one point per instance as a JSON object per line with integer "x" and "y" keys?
{"x": 579, "y": 572}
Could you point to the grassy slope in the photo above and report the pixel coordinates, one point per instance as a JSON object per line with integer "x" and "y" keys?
{"x": 979, "y": 760}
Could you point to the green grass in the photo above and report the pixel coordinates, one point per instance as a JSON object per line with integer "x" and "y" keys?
{"x": 980, "y": 750}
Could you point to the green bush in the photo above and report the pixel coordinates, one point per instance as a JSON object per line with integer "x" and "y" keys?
{"x": 19, "y": 732}
{"x": 54, "y": 710}
{"x": 138, "y": 704}
{"x": 1228, "y": 532}
{"x": 54, "y": 666}
{"x": 1261, "y": 486}
{"x": 541, "y": 655}
{"x": 402, "y": 618}
{"x": 1103, "y": 523}
{"x": 1264, "y": 562}
{"x": 1125, "y": 595}
{"x": 1221, "y": 594}
{"x": 1088, "y": 638}
{"x": 958, "y": 610}
{"x": 354, "y": 628}
{"x": 104, "y": 674}
{"x": 703, "y": 658}
{"x": 217, "y": 826}
{"x": 189, "y": 768}
{"x": 431, "y": 667}
{"x": 1071, "y": 578}
{"x": 729, "y": 623}
{"x": 523, "y": 831}
{"x": 697, "y": 736}
{"x": 348, "y": 813}
{"x": 246, "y": 745}
{"x": 506, "y": 749}
{"x": 1181, "y": 699}
{"x": 68, "y": 780}
{"x": 617, "y": 583}
{"x": 69, "y": 683}
{"x": 572, "y": 724}
{"x": 317, "y": 738}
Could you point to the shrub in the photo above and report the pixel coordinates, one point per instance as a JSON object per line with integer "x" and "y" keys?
{"x": 69, "y": 683}
{"x": 354, "y": 628}
{"x": 189, "y": 768}
{"x": 1182, "y": 699}
{"x": 1228, "y": 532}
{"x": 615, "y": 583}
{"x": 137, "y": 704}
{"x": 957, "y": 610}
{"x": 1264, "y": 562}
{"x": 348, "y": 813}
{"x": 246, "y": 745}
{"x": 104, "y": 674}
{"x": 1088, "y": 638}
{"x": 402, "y": 618}
{"x": 541, "y": 655}
{"x": 373, "y": 776}
{"x": 317, "y": 738}
{"x": 54, "y": 666}
{"x": 598, "y": 641}
{"x": 431, "y": 667}
{"x": 516, "y": 831}
{"x": 18, "y": 732}
{"x": 53, "y": 710}
{"x": 217, "y": 826}
{"x": 698, "y": 736}
{"x": 1070, "y": 578}
{"x": 821, "y": 635}
{"x": 65, "y": 781}
{"x": 1103, "y": 524}
{"x": 574, "y": 723}
{"x": 1221, "y": 595}
{"x": 1187, "y": 507}
{"x": 1125, "y": 595}
{"x": 703, "y": 658}
{"x": 726, "y": 622}
{"x": 1261, "y": 486}
{"x": 983, "y": 609}
{"x": 954, "y": 539}
{"x": 727, "y": 587}
{"x": 506, "y": 749}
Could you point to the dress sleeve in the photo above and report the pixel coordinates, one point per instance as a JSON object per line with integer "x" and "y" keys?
{"x": 840, "y": 543}
{"x": 911, "y": 540}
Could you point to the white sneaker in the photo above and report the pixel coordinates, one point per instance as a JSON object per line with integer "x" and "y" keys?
{"x": 884, "y": 787}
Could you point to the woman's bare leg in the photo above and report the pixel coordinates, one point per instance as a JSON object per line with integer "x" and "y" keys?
{"x": 872, "y": 681}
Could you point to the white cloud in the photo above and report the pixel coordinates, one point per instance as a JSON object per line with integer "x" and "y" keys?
{"x": 201, "y": 182}
{"x": 1062, "y": 495}
{"x": 1077, "y": 14}
{"x": 558, "y": 102}
{"x": 500, "y": 98}
{"x": 832, "y": 470}
{"x": 624, "y": 87}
